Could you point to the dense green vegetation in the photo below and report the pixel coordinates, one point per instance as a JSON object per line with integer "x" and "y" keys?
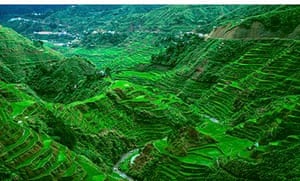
{"x": 154, "y": 99}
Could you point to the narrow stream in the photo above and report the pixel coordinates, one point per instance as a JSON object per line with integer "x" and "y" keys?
{"x": 214, "y": 120}
{"x": 122, "y": 159}
{"x": 128, "y": 154}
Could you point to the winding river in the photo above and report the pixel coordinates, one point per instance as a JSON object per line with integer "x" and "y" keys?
{"x": 122, "y": 159}
{"x": 128, "y": 154}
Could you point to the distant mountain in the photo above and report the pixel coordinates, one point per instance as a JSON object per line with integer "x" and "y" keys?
{"x": 104, "y": 25}
{"x": 88, "y": 23}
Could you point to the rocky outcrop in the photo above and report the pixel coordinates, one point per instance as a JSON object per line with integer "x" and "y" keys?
{"x": 281, "y": 23}
{"x": 257, "y": 30}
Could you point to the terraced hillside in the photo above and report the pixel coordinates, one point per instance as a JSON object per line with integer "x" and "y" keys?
{"x": 27, "y": 152}
{"x": 216, "y": 108}
{"x": 247, "y": 93}
{"x": 99, "y": 127}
